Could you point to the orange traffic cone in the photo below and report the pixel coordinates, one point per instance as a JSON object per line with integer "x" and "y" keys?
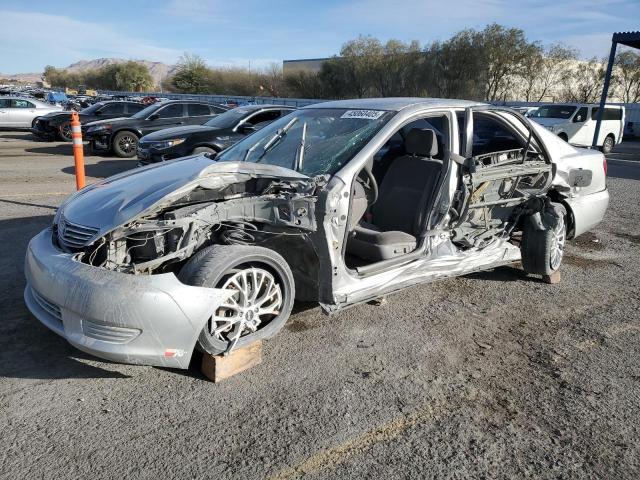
{"x": 78, "y": 149}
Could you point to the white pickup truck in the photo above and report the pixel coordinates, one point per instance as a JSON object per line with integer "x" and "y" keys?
{"x": 576, "y": 123}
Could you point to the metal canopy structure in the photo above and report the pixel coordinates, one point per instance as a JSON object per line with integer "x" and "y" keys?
{"x": 629, "y": 39}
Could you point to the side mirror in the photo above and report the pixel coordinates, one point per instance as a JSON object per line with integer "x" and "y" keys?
{"x": 98, "y": 112}
{"x": 247, "y": 128}
{"x": 154, "y": 116}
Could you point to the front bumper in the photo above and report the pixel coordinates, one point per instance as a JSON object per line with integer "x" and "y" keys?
{"x": 98, "y": 141}
{"x": 147, "y": 156}
{"x": 145, "y": 320}
{"x": 42, "y": 129}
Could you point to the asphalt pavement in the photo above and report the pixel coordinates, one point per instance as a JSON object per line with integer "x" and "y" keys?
{"x": 492, "y": 375}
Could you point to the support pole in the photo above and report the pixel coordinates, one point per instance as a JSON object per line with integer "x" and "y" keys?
{"x": 78, "y": 149}
{"x": 605, "y": 91}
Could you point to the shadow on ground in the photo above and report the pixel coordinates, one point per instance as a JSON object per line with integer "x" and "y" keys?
{"x": 104, "y": 168}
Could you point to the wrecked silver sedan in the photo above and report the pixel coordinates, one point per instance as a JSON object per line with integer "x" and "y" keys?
{"x": 337, "y": 203}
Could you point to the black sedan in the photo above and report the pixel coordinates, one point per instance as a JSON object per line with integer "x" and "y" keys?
{"x": 58, "y": 124}
{"x": 121, "y": 134}
{"x": 214, "y": 136}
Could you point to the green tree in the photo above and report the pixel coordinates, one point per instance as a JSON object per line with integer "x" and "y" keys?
{"x": 192, "y": 75}
{"x": 545, "y": 69}
{"x": 584, "y": 83}
{"x": 627, "y": 76}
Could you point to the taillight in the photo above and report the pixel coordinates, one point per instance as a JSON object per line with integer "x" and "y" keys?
{"x": 604, "y": 165}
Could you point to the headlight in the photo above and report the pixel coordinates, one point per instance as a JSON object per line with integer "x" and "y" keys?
{"x": 98, "y": 128}
{"x": 166, "y": 143}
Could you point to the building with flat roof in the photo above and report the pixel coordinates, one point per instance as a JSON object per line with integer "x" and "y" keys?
{"x": 311, "y": 65}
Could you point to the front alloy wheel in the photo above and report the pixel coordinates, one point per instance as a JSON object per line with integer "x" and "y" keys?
{"x": 125, "y": 144}
{"x": 257, "y": 300}
{"x": 263, "y": 291}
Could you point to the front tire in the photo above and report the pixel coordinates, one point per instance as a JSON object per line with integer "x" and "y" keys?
{"x": 64, "y": 132}
{"x": 206, "y": 150}
{"x": 125, "y": 144}
{"x": 609, "y": 143}
{"x": 542, "y": 250}
{"x": 264, "y": 294}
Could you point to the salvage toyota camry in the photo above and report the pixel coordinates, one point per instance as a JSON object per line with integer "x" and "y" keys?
{"x": 338, "y": 203}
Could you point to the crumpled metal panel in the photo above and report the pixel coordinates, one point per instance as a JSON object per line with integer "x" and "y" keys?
{"x": 444, "y": 261}
{"x": 168, "y": 313}
{"x": 108, "y": 204}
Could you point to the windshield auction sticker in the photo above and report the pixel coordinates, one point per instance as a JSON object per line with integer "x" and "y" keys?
{"x": 365, "y": 114}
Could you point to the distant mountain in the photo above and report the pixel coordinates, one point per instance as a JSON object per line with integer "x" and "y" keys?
{"x": 158, "y": 70}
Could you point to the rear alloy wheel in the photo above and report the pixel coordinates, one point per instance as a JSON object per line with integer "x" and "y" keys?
{"x": 542, "y": 250}
{"x": 125, "y": 144}
{"x": 64, "y": 132}
{"x": 608, "y": 144}
{"x": 263, "y": 293}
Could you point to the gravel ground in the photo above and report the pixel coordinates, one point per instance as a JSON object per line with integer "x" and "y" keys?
{"x": 493, "y": 375}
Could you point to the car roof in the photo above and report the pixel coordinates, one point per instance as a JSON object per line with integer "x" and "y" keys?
{"x": 264, "y": 107}
{"x": 395, "y": 103}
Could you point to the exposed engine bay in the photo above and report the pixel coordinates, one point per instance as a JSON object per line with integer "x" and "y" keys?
{"x": 244, "y": 213}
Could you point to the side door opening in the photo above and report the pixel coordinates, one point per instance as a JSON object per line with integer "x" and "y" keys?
{"x": 504, "y": 167}
{"x": 394, "y": 194}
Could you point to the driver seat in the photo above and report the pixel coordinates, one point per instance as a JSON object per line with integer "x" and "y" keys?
{"x": 399, "y": 212}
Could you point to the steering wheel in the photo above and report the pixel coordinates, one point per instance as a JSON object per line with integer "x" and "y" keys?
{"x": 370, "y": 186}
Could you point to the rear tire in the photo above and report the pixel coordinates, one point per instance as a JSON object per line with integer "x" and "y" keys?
{"x": 542, "y": 250}
{"x": 125, "y": 144}
{"x": 609, "y": 143}
{"x": 260, "y": 312}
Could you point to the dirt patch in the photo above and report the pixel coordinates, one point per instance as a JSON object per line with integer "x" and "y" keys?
{"x": 588, "y": 241}
{"x": 298, "y": 325}
{"x": 635, "y": 239}
{"x": 584, "y": 262}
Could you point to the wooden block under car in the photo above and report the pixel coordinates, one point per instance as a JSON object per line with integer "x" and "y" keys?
{"x": 552, "y": 279}
{"x": 218, "y": 367}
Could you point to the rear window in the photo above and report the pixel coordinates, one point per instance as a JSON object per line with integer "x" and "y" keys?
{"x": 135, "y": 107}
{"x": 22, "y": 104}
{"x": 113, "y": 109}
{"x": 171, "y": 111}
{"x": 198, "y": 110}
{"x": 609, "y": 113}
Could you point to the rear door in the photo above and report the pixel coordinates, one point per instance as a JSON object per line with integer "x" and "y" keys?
{"x": 21, "y": 112}
{"x": 503, "y": 164}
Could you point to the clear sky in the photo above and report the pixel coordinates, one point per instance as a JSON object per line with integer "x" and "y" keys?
{"x": 36, "y": 33}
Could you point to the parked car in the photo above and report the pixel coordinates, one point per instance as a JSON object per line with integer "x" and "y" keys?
{"x": 576, "y": 123}
{"x": 337, "y": 203}
{"x": 212, "y": 137}
{"x": 18, "y": 112}
{"x": 58, "y": 124}
{"x": 630, "y": 130}
{"x": 122, "y": 134}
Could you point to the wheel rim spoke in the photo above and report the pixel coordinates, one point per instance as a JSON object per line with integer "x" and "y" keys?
{"x": 257, "y": 300}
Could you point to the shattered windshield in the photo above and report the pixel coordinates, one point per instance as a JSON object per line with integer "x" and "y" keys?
{"x": 554, "y": 111}
{"x": 313, "y": 141}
